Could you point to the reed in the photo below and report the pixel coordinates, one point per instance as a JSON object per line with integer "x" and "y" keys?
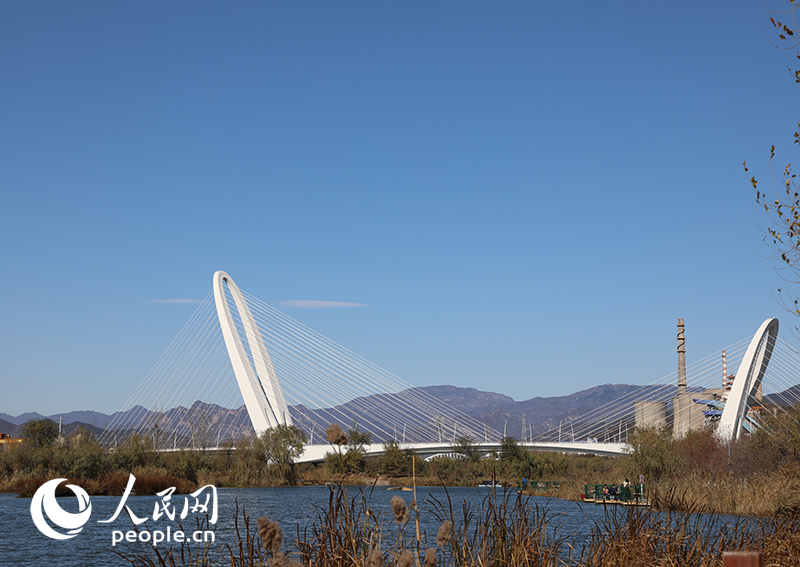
{"x": 359, "y": 528}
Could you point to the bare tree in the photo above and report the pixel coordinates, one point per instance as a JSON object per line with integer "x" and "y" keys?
{"x": 782, "y": 205}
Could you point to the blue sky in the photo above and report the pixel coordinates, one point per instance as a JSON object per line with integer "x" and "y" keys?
{"x": 526, "y": 195}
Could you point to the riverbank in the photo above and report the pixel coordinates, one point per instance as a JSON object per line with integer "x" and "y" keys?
{"x": 759, "y": 476}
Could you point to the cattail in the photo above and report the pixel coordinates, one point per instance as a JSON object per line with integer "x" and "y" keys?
{"x": 335, "y": 435}
{"x": 270, "y": 534}
{"x": 406, "y": 559}
{"x": 430, "y": 557}
{"x": 375, "y": 558}
{"x": 445, "y": 533}
{"x": 400, "y": 510}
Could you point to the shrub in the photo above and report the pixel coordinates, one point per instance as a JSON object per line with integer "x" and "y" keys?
{"x": 654, "y": 453}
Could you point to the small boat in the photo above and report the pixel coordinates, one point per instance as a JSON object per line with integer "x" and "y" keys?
{"x": 491, "y": 484}
{"x": 633, "y": 495}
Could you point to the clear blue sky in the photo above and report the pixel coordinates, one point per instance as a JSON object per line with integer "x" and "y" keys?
{"x": 527, "y": 195}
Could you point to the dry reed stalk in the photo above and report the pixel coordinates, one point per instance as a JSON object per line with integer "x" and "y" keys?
{"x": 416, "y": 508}
{"x": 509, "y": 530}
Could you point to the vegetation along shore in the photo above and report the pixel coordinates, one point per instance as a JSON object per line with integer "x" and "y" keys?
{"x": 758, "y": 475}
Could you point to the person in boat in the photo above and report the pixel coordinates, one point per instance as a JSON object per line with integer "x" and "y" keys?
{"x": 625, "y": 491}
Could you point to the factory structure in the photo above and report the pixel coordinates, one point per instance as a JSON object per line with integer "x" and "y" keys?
{"x": 693, "y": 409}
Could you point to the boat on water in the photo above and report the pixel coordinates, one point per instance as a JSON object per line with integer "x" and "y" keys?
{"x": 490, "y": 484}
{"x": 617, "y": 494}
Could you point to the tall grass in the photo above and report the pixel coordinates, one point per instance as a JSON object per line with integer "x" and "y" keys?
{"x": 360, "y": 528}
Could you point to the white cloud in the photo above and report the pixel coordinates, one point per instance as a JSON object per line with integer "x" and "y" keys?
{"x": 314, "y": 304}
{"x": 176, "y": 301}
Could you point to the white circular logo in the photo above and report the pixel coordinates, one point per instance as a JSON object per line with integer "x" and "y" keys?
{"x": 44, "y": 502}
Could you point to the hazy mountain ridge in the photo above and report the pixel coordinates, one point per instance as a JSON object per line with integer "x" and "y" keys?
{"x": 95, "y": 418}
{"x": 499, "y": 411}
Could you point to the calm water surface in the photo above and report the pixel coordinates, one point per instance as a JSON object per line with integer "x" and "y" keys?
{"x": 22, "y": 544}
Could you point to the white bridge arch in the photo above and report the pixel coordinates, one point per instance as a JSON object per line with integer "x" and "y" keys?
{"x": 252, "y": 366}
{"x": 748, "y": 380}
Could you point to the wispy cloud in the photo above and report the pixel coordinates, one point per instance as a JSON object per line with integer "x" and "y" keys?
{"x": 314, "y": 304}
{"x": 176, "y": 301}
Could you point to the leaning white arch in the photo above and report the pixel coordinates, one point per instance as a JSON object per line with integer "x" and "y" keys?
{"x": 252, "y": 366}
{"x": 748, "y": 379}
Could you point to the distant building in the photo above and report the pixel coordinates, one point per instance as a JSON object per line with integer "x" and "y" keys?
{"x": 6, "y": 441}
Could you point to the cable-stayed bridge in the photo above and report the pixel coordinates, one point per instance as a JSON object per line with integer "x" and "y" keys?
{"x": 240, "y": 367}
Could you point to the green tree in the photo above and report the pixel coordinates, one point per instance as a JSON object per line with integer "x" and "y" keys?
{"x": 131, "y": 453}
{"x": 653, "y": 452}
{"x": 394, "y": 461}
{"x": 282, "y": 445}
{"x": 466, "y": 446}
{"x": 510, "y": 451}
{"x": 40, "y": 432}
{"x": 350, "y": 455}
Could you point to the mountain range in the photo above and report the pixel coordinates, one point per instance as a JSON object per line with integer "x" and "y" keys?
{"x": 501, "y": 412}
{"x": 497, "y": 410}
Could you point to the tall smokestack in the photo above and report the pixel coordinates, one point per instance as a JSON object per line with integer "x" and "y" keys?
{"x": 724, "y": 370}
{"x": 681, "y": 359}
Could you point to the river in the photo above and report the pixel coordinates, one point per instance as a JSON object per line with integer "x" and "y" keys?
{"x": 21, "y": 543}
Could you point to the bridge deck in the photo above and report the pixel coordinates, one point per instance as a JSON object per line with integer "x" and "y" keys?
{"x": 317, "y": 453}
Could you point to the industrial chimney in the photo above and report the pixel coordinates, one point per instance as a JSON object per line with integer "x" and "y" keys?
{"x": 681, "y": 359}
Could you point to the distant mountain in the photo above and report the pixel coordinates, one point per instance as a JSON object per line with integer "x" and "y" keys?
{"x": 542, "y": 414}
{"x": 91, "y": 417}
{"x": 500, "y": 412}
{"x": 8, "y": 428}
{"x": 21, "y": 418}
{"x": 790, "y": 396}
{"x": 76, "y": 425}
